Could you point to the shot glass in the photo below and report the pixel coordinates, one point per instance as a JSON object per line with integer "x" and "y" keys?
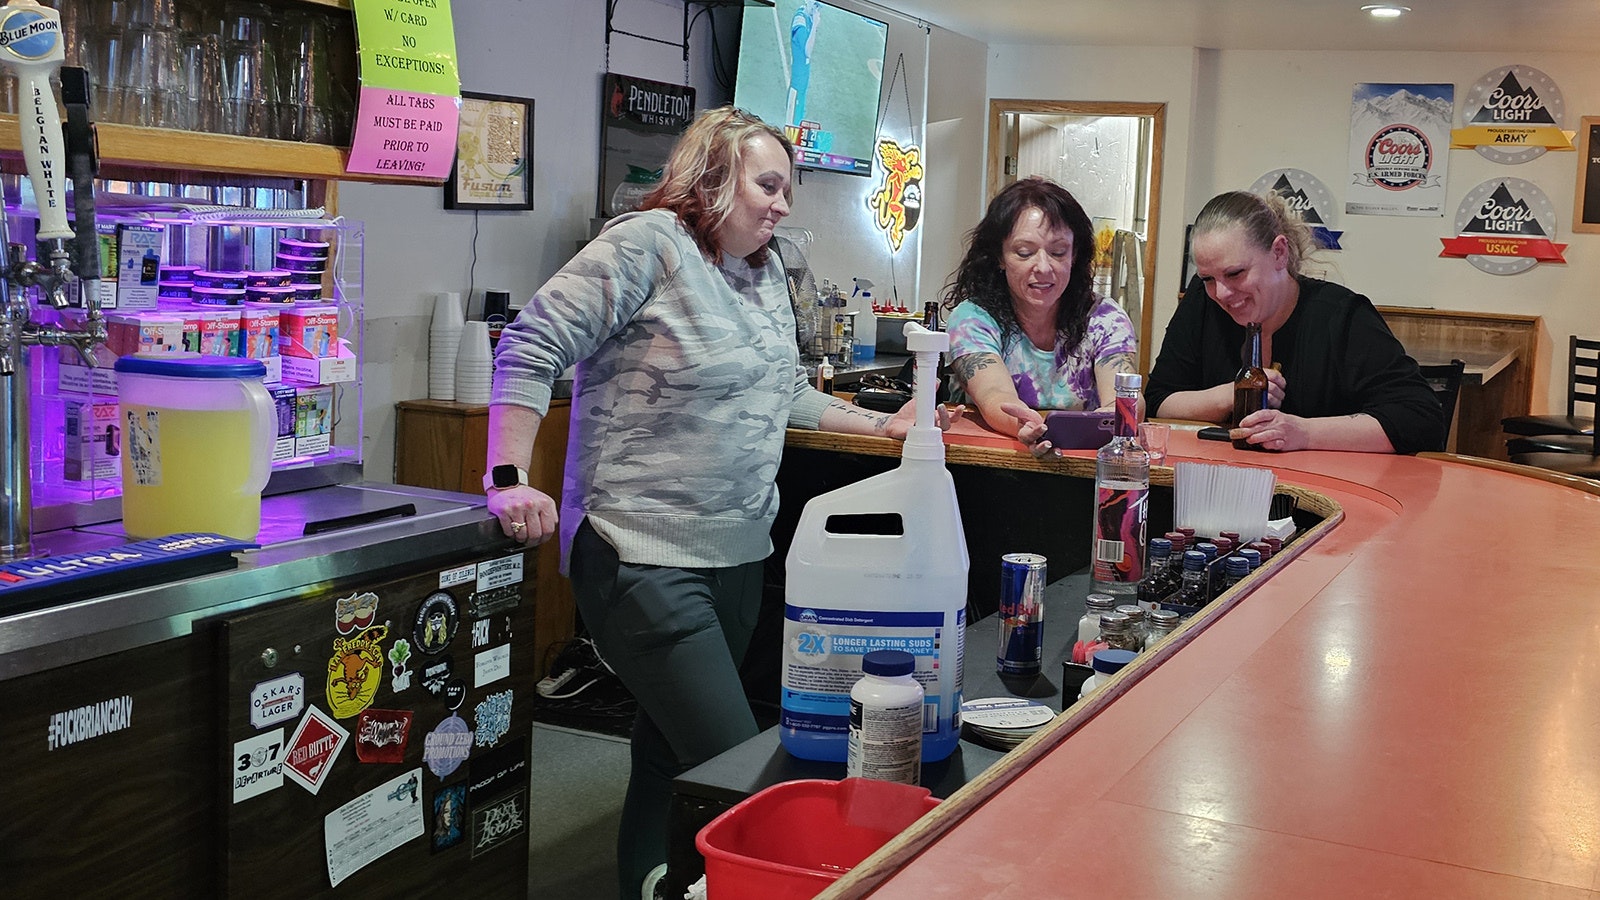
{"x": 1153, "y": 436}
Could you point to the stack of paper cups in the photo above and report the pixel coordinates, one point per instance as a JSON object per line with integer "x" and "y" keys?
{"x": 444, "y": 338}
{"x": 474, "y": 366}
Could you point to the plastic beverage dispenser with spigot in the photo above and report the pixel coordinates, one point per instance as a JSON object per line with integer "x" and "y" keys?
{"x": 901, "y": 587}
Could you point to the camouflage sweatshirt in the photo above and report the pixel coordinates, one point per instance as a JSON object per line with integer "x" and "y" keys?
{"x": 687, "y": 374}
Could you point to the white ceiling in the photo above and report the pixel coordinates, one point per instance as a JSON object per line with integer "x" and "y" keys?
{"x": 1449, "y": 25}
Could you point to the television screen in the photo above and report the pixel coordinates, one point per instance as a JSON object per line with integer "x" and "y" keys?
{"x": 817, "y": 70}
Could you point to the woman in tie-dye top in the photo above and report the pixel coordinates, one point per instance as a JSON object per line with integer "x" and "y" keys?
{"x": 1027, "y": 331}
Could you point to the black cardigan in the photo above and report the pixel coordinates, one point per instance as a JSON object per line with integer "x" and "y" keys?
{"x": 1337, "y": 355}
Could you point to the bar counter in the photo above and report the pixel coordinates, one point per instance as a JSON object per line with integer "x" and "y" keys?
{"x": 1411, "y": 708}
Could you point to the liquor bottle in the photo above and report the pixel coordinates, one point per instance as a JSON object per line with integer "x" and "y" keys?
{"x": 1193, "y": 592}
{"x": 930, "y": 315}
{"x": 1155, "y": 577}
{"x": 1250, "y": 385}
{"x": 1122, "y": 488}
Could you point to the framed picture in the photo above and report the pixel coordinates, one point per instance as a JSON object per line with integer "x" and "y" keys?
{"x": 494, "y": 154}
{"x": 1586, "y": 211}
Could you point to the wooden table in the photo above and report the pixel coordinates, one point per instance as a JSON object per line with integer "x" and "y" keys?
{"x": 1482, "y": 366}
{"x": 1501, "y": 353}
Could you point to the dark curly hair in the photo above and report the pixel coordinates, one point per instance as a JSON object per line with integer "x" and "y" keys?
{"x": 981, "y": 276}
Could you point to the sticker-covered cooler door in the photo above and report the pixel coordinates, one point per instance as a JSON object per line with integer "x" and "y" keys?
{"x": 376, "y": 745}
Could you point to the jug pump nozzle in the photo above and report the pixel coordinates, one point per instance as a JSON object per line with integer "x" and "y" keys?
{"x": 925, "y": 440}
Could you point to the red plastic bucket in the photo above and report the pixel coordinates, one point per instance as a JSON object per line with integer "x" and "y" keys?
{"x": 792, "y": 840}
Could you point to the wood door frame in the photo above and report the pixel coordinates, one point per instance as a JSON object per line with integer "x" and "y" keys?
{"x": 1157, "y": 112}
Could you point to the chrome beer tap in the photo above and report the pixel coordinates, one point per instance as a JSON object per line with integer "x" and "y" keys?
{"x": 31, "y": 44}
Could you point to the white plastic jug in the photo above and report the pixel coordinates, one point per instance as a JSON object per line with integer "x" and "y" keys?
{"x": 197, "y": 444}
{"x": 848, "y": 594}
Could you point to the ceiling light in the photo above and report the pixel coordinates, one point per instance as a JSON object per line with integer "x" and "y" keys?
{"x": 1385, "y": 10}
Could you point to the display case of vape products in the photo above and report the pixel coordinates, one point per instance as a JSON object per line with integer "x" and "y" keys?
{"x": 282, "y": 286}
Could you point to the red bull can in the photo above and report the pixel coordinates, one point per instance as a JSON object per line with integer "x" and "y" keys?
{"x": 1022, "y": 578}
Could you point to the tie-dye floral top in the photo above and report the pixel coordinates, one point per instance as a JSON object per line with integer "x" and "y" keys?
{"x": 1059, "y": 379}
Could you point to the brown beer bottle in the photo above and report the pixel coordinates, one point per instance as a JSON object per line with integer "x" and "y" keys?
{"x": 1250, "y": 385}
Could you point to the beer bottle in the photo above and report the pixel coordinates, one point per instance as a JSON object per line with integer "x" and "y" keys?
{"x": 1250, "y": 385}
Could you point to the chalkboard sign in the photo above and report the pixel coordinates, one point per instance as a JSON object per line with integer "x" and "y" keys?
{"x": 1586, "y": 211}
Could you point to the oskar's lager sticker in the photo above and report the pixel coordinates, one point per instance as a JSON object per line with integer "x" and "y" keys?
{"x": 1307, "y": 196}
{"x": 1512, "y": 115}
{"x": 1505, "y": 226}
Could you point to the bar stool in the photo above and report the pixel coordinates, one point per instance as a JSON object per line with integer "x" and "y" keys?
{"x": 1583, "y": 377}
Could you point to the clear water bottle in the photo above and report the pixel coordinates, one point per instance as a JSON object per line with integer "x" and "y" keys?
{"x": 1122, "y": 488}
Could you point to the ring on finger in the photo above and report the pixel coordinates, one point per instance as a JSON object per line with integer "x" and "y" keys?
{"x": 518, "y": 526}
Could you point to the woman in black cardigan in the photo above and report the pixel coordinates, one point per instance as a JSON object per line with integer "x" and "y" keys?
{"x": 1339, "y": 379}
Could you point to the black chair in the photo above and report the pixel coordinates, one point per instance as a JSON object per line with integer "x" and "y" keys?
{"x": 1586, "y": 464}
{"x": 1445, "y": 379}
{"x": 1583, "y": 376}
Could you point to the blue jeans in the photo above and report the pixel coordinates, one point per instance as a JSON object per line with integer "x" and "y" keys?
{"x": 675, "y": 637}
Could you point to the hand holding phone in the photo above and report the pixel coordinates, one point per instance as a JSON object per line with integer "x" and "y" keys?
{"x": 1079, "y": 429}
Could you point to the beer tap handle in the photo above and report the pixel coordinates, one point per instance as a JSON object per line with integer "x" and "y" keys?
{"x": 30, "y": 43}
{"x": 83, "y": 162}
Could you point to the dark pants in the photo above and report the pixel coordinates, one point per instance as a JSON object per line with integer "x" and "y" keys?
{"x": 675, "y": 637}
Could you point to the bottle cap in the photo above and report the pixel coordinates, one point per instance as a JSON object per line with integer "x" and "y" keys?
{"x": 1101, "y": 602}
{"x": 1165, "y": 617}
{"x": 1179, "y": 540}
{"x": 1251, "y": 554}
{"x": 1236, "y": 565}
{"x": 1193, "y": 560}
{"x": 890, "y": 663}
{"x": 1133, "y": 611}
{"x": 1208, "y": 548}
{"x": 1160, "y": 547}
{"x": 1113, "y": 620}
{"x": 1110, "y": 662}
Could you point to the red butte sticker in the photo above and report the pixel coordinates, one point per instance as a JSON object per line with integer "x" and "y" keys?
{"x": 355, "y": 613}
{"x": 1306, "y": 195}
{"x": 382, "y": 735}
{"x": 313, "y": 747}
{"x": 278, "y": 700}
{"x": 1505, "y": 226}
{"x": 355, "y": 671}
{"x": 1512, "y": 115}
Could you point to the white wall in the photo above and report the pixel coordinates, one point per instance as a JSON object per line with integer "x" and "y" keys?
{"x": 1234, "y": 115}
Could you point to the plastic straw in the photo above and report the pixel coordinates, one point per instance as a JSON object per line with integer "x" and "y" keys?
{"x": 1212, "y": 499}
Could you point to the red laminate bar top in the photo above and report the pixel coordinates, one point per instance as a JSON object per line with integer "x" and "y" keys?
{"x": 1410, "y": 709}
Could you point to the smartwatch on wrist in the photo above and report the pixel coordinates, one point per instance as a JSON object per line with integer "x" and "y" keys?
{"x": 505, "y": 477}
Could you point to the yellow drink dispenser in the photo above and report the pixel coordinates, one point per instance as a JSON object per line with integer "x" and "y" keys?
{"x": 197, "y": 434}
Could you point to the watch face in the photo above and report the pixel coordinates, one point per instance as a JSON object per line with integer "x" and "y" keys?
{"x": 506, "y": 476}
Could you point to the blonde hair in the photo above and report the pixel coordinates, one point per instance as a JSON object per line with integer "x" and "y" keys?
{"x": 701, "y": 178}
{"x": 1261, "y": 219}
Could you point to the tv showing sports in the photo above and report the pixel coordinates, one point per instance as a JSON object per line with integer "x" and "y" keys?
{"x": 816, "y": 70}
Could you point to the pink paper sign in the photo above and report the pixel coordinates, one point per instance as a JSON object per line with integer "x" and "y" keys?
{"x": 404, "y": 133}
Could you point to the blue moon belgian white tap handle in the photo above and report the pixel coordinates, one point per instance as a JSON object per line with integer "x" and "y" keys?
{"x": 30, "y": 43}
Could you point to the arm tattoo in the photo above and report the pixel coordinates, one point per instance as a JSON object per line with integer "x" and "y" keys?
{"x": 1120, "y": 362}
{"x": 880, "y": 422}
{"x": 973, "y": 363}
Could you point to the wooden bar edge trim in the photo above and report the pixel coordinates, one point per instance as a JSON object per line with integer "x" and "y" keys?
{"x": 873, "y": 871}
{"x": 1577, "y": 483}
